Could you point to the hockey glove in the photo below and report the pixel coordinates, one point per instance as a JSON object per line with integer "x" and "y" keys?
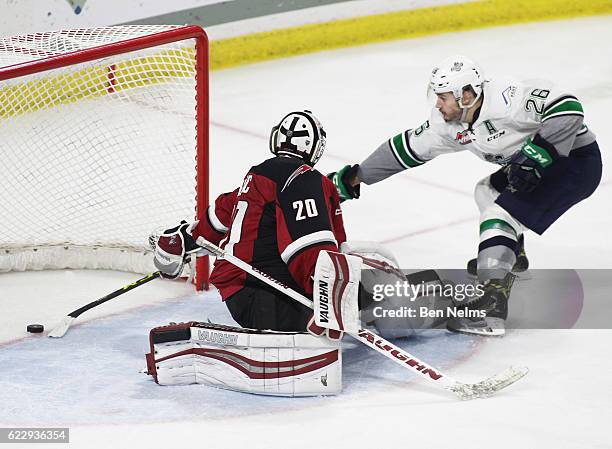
{"x": 523, "y": 174}
{"x": 342, "y": 180}
{"x": 528, "y": 166}
{"x": 174, "y": 248}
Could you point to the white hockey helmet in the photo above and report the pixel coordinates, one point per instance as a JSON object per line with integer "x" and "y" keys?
{"x": 455, "y": 74}
{"x": 299, "y": 134}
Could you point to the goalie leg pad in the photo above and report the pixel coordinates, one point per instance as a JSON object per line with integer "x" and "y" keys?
{"x": 374, "y": 254}
{"x": 246, "y": 360}
{"x": 336, "y": 291}
{"x": 396, "y": 316}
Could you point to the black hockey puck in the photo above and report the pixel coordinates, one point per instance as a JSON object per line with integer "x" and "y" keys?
{"x": 36, "y": 328}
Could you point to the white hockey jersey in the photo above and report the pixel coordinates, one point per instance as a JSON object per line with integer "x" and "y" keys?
{"x": 512, "y": 113}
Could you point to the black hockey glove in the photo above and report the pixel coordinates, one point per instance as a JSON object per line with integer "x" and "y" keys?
{"x": 173, "y": 249}
{"x": 523, "y": 174}
{"x": 342, "y": 180}
{"x": 527, "y": 167}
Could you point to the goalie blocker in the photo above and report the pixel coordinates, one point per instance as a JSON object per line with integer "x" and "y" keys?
{"x": 245, "y": 360}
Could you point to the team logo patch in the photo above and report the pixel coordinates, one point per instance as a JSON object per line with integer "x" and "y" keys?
{"x": 508, "y": 93}
{"x": 463, "y": 137}
{"x": 301, "y": 169}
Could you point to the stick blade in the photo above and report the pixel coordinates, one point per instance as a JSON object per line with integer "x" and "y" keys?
{"x": 60, "y": 330}
{"x": 490, "y": 386}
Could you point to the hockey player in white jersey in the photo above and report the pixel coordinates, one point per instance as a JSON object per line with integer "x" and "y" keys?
{"x": 535, "y": 131}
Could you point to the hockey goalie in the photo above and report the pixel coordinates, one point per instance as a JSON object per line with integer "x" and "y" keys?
{"x": 285, "y": 221}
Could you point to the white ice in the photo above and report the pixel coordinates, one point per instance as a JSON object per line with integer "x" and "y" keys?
{"x": 90, "y": 379}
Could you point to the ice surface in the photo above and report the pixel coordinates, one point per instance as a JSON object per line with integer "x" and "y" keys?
{"x": 100, "y": 361}
{"x": 89, "y": 379}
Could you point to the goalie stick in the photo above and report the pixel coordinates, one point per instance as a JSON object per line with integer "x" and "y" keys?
{"x": 464, "y": 391}
{"x": 61, "y": 329}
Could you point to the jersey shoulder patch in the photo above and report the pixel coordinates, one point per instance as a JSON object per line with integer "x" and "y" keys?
{"x": 297, "y": 172}
{"x": 279, "y": 169}
{"x": 501, "y": 96}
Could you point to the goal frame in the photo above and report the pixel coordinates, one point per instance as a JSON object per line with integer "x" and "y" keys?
{"x": 201, "y": 279}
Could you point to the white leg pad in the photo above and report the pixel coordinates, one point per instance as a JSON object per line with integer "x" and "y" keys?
{"x": 369, "y": 250}
{"x": 251, "y": 361}
{"x": 336, "y": 291}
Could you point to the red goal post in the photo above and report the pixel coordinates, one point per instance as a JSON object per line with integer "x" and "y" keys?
{"x": 103, "y": 139}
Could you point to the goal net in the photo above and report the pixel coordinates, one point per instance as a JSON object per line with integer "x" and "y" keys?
{"x": 103, "y": 138}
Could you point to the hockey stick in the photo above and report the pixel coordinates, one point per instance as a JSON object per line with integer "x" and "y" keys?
{"x": 464, "y": 391}
{"x": 61, "y": 329}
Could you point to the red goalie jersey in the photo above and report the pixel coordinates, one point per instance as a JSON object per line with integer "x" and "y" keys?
{"x": 284, "y": 213}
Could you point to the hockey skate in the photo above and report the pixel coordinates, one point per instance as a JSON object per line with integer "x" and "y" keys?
{"x": 520, "y": 268}
{"x": 487, "y": 314}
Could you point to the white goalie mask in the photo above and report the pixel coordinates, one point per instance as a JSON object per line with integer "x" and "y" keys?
{"x": 299, "y": 134}
{"x": 454, "y": 75}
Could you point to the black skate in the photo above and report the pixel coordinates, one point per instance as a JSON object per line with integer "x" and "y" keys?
{"x": 520, "y": 266}
{"x": 487, "y": 314}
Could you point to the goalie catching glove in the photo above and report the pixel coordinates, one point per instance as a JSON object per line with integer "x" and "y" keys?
{"x": 174, "y": 247}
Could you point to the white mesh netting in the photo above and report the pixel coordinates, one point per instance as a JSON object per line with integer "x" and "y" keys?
{"x": 95, "y": 155}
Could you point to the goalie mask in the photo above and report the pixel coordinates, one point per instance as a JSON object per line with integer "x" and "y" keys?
{"x": 299, "y": 134}
{"x": 455, "y": 75}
